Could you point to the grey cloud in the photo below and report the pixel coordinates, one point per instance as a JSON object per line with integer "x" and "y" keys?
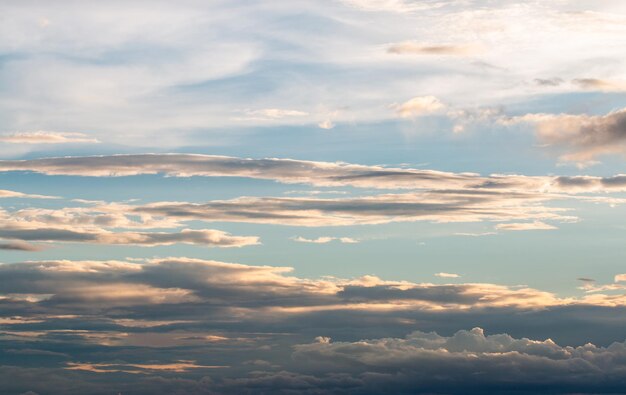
{"x": 299, "y": 171}
{"x": 549, "y": 81}
{"x": 430, "y": 49}
{"x": 436, "y": 206}
{"x": 599, "y": 84}
{"x": 169, "y": 319}
{"x": 581, "y": 138}
{"x": 20, "y": 246}
{"x": 205, "y": 237}
{"x": 282, "y": 170}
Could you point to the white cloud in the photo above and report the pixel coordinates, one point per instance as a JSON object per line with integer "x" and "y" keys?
{"x": 418, "y": 106}
{"x": 44, "y": 137}
{"x": 414, "y": 48}
{"x": 535, "y": 225}
{"x": 275, "y": 113}
{"x": 326, "y": 239}
{"x": 447, "y": 275}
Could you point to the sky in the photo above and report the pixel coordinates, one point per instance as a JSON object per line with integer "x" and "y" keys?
{"x": 312, "y": 197}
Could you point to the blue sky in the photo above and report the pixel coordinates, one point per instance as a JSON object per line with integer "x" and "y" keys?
{"x": 232, "y": 196}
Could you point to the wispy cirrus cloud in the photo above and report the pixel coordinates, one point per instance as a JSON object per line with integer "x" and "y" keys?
{"x": 46, "y": 137}
{"x": 325, "y": 239}
{"x": 535, "y": 225}
{"x": 415, "y": 48}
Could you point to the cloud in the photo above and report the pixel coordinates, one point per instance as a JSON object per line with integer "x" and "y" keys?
{"x": 467, "y": 359}
{"x": 177, "y": 367}
{"x": 414, "y": 48}
{"x": 292, "y": 171}
{"x": 44, "y": 137}
{"x": 399, "y": 6}
{"x": 204, "y": 237}
{"x": 620, "y": 277}
{"x": 600, "y": 85}
{"x": 325, "y": 239}
{"x": 447, "y": 275}
{"x": 549, "y": 81}
{"x": 282, "y": 170}
{"x": 535, "y": 225}
{"x": 418, "y": 106}
{"x": 13, "y": 194}
{"x": 326, "y": 124}
{"x": 583, "y": 138}
{"x": 172, "y": 317}
{"x": 275, "y": 113}
{"x": 447, "y": 206}
{"x": 20, "y": 246}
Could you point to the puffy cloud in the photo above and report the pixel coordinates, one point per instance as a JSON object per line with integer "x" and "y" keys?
{"x": 417, "y": 106}
{"x": 182, "y": 315}
{"x": 44, "y": 137}
{"x": 468, "y": 359}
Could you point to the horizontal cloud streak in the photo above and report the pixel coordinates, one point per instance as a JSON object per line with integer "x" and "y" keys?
{"x": 296, "y": 171}
{"x": 44, "y": 137}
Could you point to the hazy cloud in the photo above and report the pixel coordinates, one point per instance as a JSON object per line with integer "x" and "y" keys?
{"x": 414, "y": 48}
{"x": 44, "y": 137}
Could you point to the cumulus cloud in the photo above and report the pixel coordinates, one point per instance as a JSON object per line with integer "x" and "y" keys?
{"x": 170, "y": 310}
{"x": 471, "y": 359}
{"x": 414, "y": 48}
{"x": 45, "y": 137}
{"x": 418, "y": 106}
